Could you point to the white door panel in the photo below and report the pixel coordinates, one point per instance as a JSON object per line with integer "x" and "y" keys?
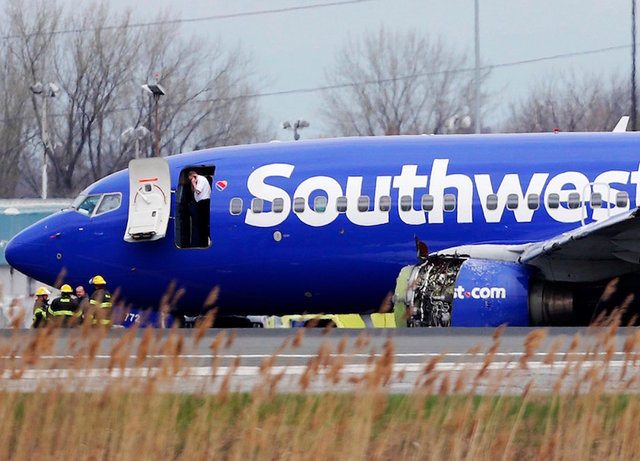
{"x": 149, "y": 199}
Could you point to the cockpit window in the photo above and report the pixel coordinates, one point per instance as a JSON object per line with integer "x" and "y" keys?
{"x": 92, "y": 205}
{"x": 78, "y": 200}
{"x": 108, "y": 203}
{"x": 88, "y": 204}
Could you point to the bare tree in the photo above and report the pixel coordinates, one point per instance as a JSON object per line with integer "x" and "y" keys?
{"x": 393, "y": 83}
{"x": 28, "y": 44}
{"x": 206, "y": 105}
{"x": 13, "y": 126}
{"x": 570, "y": 103}
{"x": 100, "y": 68}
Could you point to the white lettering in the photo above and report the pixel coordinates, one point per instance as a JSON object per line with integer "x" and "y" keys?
{"x": 367, "y": 218}
{"x": 602, "y": 184}
{"x": 579, "y": 182}
{"x": 407, "y": 183}
{"x": 257, "y": 187}
{"x": 440, "y": 181}
{"x": 331, "y": 187}
{"x": 480, "y": 293}
{"x": 510, "y": 185}
{"x": 634, "y": 178}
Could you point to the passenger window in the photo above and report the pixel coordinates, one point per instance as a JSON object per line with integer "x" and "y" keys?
{"x": 89, "y": 204}
{"x": 406, "y": 203}
{"x": 596, "y": 200}
{"x": 109, "y": 203}
{"x": 320, "y": 204}
{"x": 427, "y": 202}
{"x": 622, "y": 199}
{"x": 449, "y": 202}
{"x": 553, "y": 201}
{"x": 278, "y": 205}
{"x": 385, "y": 203}
{"x": 363, "y": 203}
{"x": 298, "y": 204}
{"x": 341, "y": 204}
{"x": 533, "y": 201}
{"x": 512, "y": 201}
{"x": 492, "y": 202}
{"x": 573, "y": 201}
{"x": 235, "y": 206}
{"x": 257, "y": 205}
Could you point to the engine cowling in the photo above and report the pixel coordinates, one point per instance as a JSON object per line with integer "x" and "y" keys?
{"x": 468, "y": 292}
{"x": 490, "y": 293}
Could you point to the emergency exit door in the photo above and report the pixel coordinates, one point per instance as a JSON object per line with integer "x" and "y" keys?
{"x": 149, "y": 199}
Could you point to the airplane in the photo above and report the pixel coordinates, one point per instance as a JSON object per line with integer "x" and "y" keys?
{"x": 523, "y": 229}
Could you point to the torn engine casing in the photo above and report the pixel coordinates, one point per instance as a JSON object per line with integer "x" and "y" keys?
{"x": 457, "y": 291}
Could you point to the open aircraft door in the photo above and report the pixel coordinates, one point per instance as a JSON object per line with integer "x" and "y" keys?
{"x": 149, "y": 199}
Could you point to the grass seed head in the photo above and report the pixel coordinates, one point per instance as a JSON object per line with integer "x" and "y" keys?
{"x": 555, "y": 346}
{"x": 144, "y": 347}
{"x": 297, "y": 340}
{"x": 231, "y": 339}
{"x": 386, "y": 304}
{"x": 498, "y": 331}
{"x": 212, "y": 297}
{"x": 217, "y": 341}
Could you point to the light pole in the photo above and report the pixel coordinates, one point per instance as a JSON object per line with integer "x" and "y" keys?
{"x": 297, "y": 125}
{"x": 156, "y": 90}
{"x": 477, "y": 66}
{"x": 48, "y": 90}
{"x": 634, "y": 121}
{"x": 457, "y": 122}
{"x": 137, "y": 134}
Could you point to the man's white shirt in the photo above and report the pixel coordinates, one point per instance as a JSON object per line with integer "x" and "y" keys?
{"x": 203, "y": 189}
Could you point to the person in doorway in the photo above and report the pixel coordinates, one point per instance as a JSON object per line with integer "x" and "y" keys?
{"x": 200, "y": 212}
{"x": 40, "y": 308}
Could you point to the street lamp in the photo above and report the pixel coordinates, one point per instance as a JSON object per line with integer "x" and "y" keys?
{"x": 457, "y": 122}
{"x": 48, "y": 90}
{"x": 297, "y": 125}
{"x": 137, "y": 134}
{"x": 156, "y": 90}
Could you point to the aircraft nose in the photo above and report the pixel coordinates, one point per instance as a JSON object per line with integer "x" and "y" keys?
{"x": 18, "y": 252}
{"x": 10, "y": 252}
{"x": 25, "y": 252}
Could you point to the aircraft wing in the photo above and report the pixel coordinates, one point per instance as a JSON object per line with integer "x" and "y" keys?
{"x": 613, "y": 243}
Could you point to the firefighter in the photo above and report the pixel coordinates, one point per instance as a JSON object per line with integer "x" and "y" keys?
{"x": 63, "y": 311}
{"x": 100, "y": 302}
{"x": 40, "y": 307}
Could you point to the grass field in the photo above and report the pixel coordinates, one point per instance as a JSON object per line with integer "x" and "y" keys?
{"x": 435, "y": 421}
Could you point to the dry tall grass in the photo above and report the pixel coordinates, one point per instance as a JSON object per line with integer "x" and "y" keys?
{"x": 130, "y": 418}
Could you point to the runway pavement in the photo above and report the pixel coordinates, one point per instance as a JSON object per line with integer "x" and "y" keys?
{"x": 396, "y": 360}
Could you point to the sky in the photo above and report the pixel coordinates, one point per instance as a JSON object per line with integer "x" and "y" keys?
{"x": 293, "y": 49}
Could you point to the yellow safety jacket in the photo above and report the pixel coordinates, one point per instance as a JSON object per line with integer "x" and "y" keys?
{"x": 63, "y": 310}
{"x": 100, "y": 304}
{"x": 39, "y": 317}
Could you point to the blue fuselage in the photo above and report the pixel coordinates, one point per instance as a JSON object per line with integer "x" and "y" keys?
{"x": 325, "y": 261}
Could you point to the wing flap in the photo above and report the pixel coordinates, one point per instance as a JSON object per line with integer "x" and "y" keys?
{"x": 617, "y": 237}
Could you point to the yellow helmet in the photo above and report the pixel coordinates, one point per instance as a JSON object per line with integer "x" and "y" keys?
{"x": 98, "y": 280}
{"x": 42, "y": 291}
{"x": 66, "y": 289}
